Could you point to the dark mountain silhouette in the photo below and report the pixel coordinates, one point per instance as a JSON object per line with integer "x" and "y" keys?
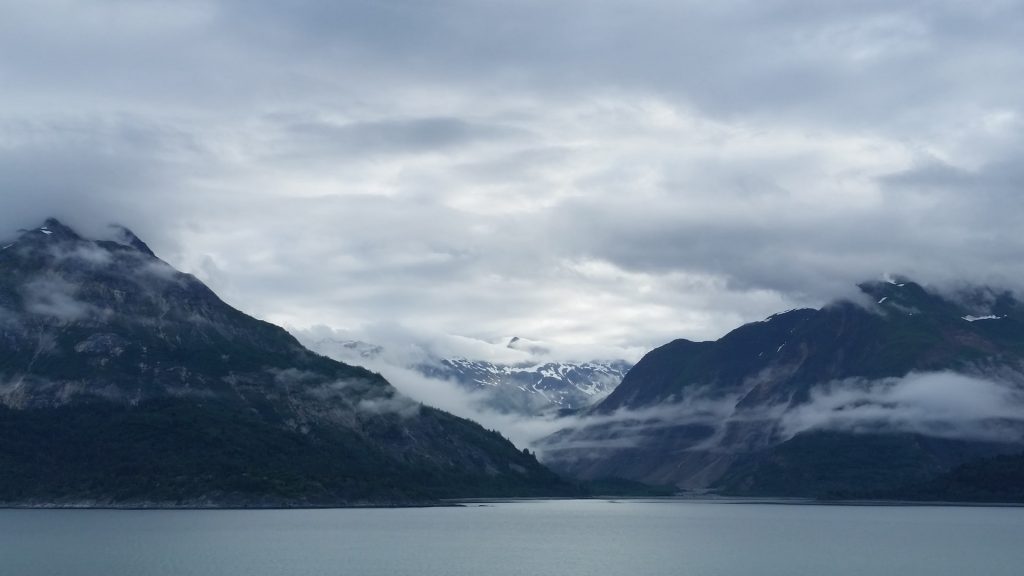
{"x": 126, "y": 382}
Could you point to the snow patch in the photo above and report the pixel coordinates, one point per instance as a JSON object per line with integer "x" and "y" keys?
{"x": 884, "y": 298}
{"x": 970, "y": 318}
{"x": 779, "y": 314}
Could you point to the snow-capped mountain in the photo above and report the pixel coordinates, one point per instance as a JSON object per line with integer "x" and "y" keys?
{"x": 536, "y": 386}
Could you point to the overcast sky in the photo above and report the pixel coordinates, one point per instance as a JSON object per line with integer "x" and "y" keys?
{"x": 591, "y": 172}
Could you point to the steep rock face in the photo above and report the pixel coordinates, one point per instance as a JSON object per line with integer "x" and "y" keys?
{"x": 741, "y": 412}
{"x": 122, "y": 379}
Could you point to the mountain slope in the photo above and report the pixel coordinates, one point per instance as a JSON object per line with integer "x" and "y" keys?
{"x": 996, "y": 479}
{"x": 123, "y": 380}
{"x": 803, "y": 402}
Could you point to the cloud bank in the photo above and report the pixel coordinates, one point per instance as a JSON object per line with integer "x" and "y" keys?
{"x": 593, "y": 173}
{"x": 941, "y": 404}
{"x": 936, "y": 404}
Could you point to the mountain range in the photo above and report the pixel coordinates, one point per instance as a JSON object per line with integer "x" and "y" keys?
{"x": 126, "y": 382}
{"x": 863, "y": 398}
{"x": 536, "y": 387}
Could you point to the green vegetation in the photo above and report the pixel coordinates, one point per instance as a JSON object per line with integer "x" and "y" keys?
{"x": 997, "y": 479}
{"x": 144, "y": 387}
{"x": 177, "y": 452}
{"x": 837, "y": 465}
{"x": 627, "y": 488}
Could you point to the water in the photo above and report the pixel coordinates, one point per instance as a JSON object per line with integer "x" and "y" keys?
{"x": 519, "y": 538}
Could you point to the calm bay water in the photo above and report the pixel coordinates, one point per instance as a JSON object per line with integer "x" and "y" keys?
{"x": 519, "y": 538}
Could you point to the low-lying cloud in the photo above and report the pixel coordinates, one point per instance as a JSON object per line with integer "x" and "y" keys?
{"x": 55, "y": 298}
{"x": 449, "y": 396}
{"x": 941, "y": 404}
{"x": 402, "y": 345}
{"x": 938, "y": 404}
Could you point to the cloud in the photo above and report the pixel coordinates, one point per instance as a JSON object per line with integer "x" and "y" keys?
{"x": 572, "y": 172}
{"x": 629, "y": 428}
{"x": 942, "y": 404}
{"x": 407, "y": 346}
{"x": 437, "y": 177}
{"x": 88, "y": 254}
{"x": 301, "y": 141}
{"x": 450, "y": 397}
{"x": 936, "y": 404}
{"x": 9, "y": 320}
{"x": 54, "y": 298}
{"x": 398, "y": 354}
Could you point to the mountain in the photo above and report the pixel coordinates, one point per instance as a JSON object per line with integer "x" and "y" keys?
{"x": 996, "y": 479}
{"x": 854, "y": 398}
{"x": 530, "y": 388}
{"x": 126, "y": 382}
{"x": 533, "y": 389}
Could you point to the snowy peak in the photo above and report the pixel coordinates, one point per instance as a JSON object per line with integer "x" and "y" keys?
{"x": 51, "y": 230}
{"x": 53, "y": 226}
{"x": 54, "y": 234}
{"x": 530, "y": 388}
{"x": 534, "y": 388}
{"x": 971, "y": 304}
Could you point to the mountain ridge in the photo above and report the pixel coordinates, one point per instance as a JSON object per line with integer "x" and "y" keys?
{"x": 122, "y": 379}
{"x": 736, "y": 413}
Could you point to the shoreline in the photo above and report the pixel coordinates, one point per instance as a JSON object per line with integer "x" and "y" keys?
{"x": 476, "y": 502}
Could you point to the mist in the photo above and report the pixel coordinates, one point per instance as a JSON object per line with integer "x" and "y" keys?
{"x": 936, "y": 404}
{"x": 940, "y": 404}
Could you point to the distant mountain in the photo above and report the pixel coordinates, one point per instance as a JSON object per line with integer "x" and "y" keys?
{"x": 531, "y": 388}
{"x": 849, "y": 399}
{"x": 124, "y": 381}
{"x": 534, "y": 389}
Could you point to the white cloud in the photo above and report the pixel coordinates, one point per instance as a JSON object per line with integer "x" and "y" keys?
{"x": 566, "y": 171}
{"x": 942, "y": 404}
{"x": 54, "y": 298}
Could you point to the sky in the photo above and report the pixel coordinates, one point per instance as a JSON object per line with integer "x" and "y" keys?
{"x": 606, "y": 175}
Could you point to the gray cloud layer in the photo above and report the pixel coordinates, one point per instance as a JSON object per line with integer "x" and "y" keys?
{"x": 599, "y": 173}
